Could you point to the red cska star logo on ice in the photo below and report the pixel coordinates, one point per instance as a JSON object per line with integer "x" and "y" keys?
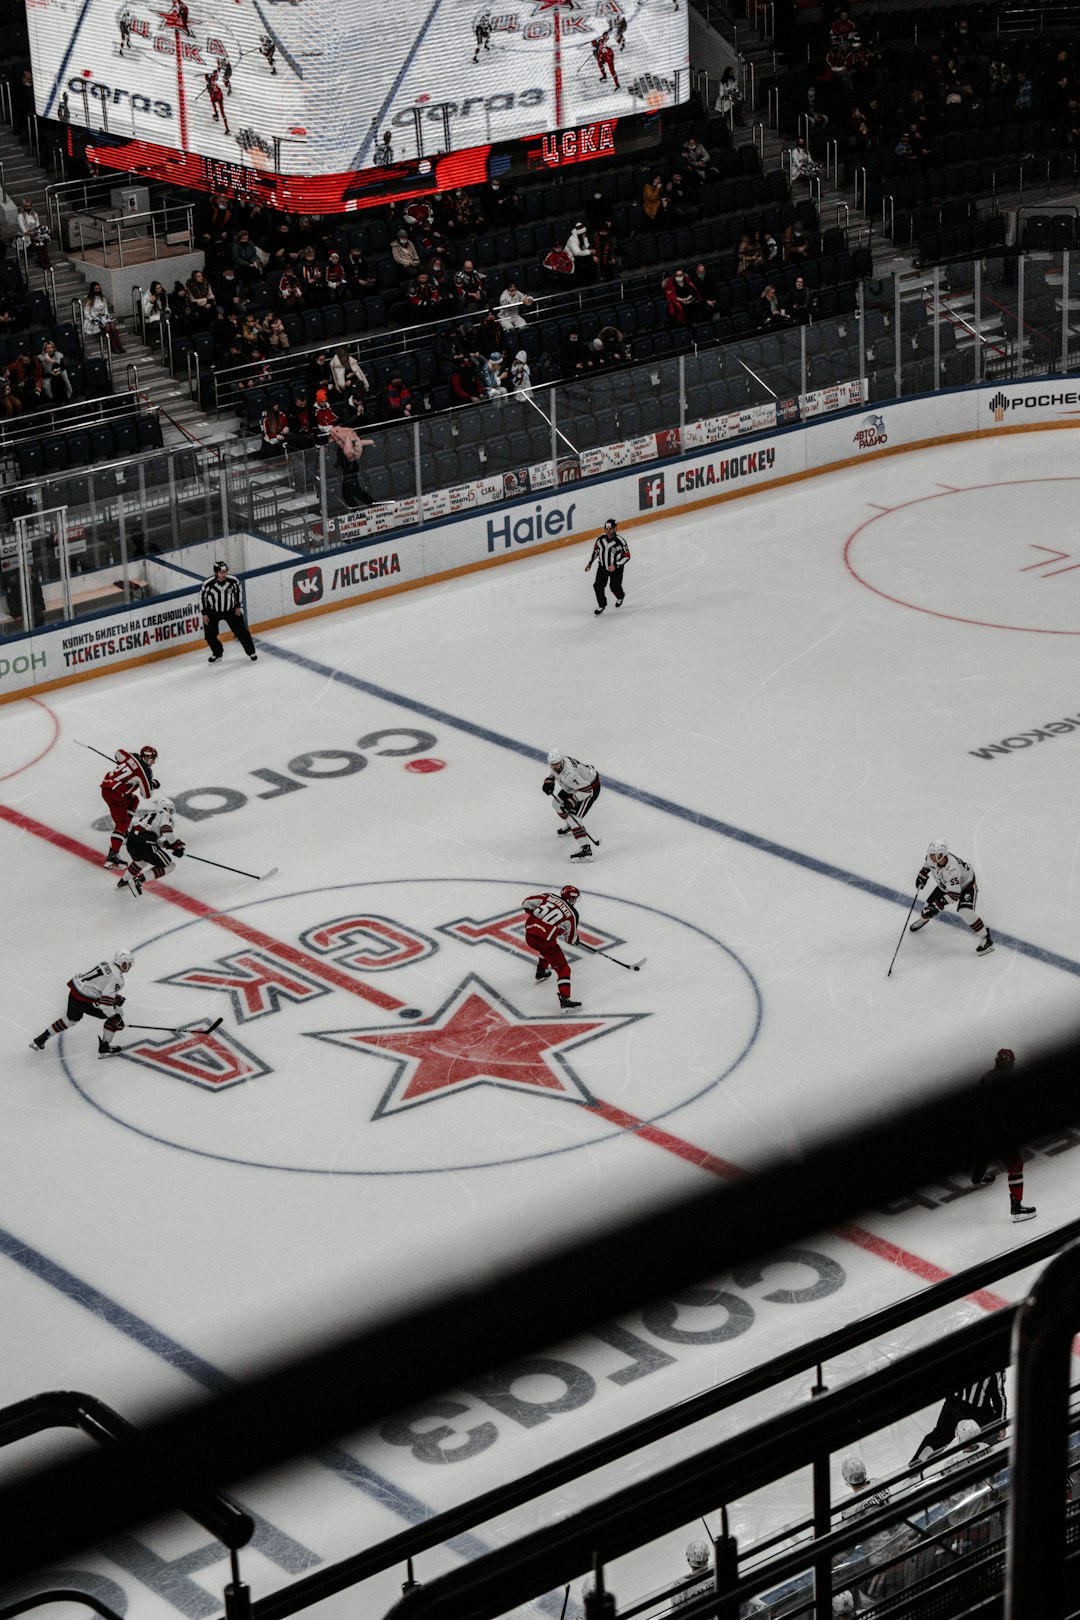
{"x": 477, "y": 1038}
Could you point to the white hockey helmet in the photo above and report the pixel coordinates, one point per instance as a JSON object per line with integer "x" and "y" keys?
{"x": 853, "y": 1470}
{"x": 697, "y": 1554}
{"x": 123, "y": 959}
{"x": 555, "y": 758}
{"x": 166, "y": 805}
{"x": 937, "y": 851}
{"x": 967, "y": 1430}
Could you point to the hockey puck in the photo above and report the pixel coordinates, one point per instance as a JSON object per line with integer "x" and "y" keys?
{"x": 411, "y": 1012}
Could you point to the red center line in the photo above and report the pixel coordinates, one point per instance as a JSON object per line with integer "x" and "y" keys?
{"x": 198, "y": 908}
{"x": 881, "y": 1247}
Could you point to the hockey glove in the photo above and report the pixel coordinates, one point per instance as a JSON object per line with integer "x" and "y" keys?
{"x": 118, "y": 1001}
{"x": 530, "y": 905}
{"x": 920, "y": 881}
{"x": 178, "y": 847}
{"x": 113, "y": 1024}
{"x": 566, "y": 800}
{"x": 549, "y": 784}
{"x": 154, "y": 782}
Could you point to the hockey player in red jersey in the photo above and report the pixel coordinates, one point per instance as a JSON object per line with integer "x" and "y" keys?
{"x": 151, "y": 842}
{"x": 573, "y": 788}
{"x": 605, "y": 60}
{"x": 97, "y": 993}
{"x": 1011, "y": 1157}
{"x": 130, "y": 780}
{"x": 549, "y": 919}
{"x": 217, "y": 98}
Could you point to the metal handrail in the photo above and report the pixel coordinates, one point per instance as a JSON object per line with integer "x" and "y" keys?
{"x": 6, "y": 111}
{"x": 194, "y": 383}
{"x": 50, "y": 291}
{"x": 120, "y": 222}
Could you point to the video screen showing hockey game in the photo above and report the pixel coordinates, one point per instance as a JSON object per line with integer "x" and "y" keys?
{"x": 330, "y": 87}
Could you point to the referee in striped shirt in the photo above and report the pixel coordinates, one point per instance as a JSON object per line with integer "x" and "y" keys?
{"x": 610, "y": 554}
{"x": 221, "y": 600}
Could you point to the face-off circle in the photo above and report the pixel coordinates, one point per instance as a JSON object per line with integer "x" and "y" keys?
{"x": 396, "y": 1028}
{"x": 976, "y": 555}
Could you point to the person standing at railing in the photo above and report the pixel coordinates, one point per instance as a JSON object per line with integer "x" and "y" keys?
{"x": 982, "y": 1175}
{"x": 274, "y": 427}
{"x": 32, "y": 232}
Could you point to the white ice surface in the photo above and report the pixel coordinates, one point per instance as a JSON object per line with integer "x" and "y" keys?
{"x": 765, "y": 676}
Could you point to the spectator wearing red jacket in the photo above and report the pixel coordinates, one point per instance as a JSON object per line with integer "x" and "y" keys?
{"x": 398, "y": 398}
{"x": 682, "y": 297}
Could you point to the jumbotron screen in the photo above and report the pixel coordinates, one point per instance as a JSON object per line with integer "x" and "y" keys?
{"x": 294, "y": 101}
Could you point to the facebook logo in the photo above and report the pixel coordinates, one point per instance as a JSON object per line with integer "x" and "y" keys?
{"x": 650, "y": 492}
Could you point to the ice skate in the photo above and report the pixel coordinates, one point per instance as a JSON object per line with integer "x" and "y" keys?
{"x": 1022, "y": 1212}
{"x": 562, "y": 831}
{"x": 542, "y": 973}
{"x": 128, "y": 881}
{"x": 927, "y": 915}
{"x": 105, "y": 1050}
{"x": 582, "y": 854}
{"x": 38, "y": 1042}
{"x": 984, "y": 948}
{"x": 113, "y": 861}
{"x": 984, "y": 1180}
{"x": 568, "y": 1006}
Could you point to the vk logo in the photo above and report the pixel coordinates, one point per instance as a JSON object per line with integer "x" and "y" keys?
{"x": 650, "y": 492}
{"x": 307, "y": 585}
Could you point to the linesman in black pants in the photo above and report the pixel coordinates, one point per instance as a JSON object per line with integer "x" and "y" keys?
{"x": 610, "y": 554}
{"x": 221, "y": 600}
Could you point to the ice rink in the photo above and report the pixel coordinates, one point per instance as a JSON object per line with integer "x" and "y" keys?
{"x": 803, "y": 688}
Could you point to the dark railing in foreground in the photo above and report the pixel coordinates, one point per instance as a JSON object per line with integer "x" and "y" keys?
{"x": 77, "y": 1502}
{"x": 442, "y": 1527}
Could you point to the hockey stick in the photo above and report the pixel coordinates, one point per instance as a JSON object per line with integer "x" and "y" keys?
{"x": 903, "y": 931}
{"x": 93, "y": 750}
{"x": 589, "y": 836}
{"x": 635, "y": 967}
{"x": 184, "y": 1029}
{"x": 260, "y": 877}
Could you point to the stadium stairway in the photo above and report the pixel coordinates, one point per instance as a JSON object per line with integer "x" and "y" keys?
{"x": 182, "y": 418}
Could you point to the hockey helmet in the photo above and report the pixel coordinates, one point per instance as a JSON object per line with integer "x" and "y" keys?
{"x": 123, "y": 959}
{"x": 1006, "y": 1057}
{"x": 937, "y": 851}
{"x": 697, "y": 1554}
{"x": 853, "y": 1470}
{"x": 149, "y": 753}
{"x": 555, "y": 758}
{"x": 569, "y": 893}
{"x": 166, "y": 805}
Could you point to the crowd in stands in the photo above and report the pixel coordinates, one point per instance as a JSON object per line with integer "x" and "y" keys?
{"x": 956, "y": 115}
{"x": 693, "y": 245}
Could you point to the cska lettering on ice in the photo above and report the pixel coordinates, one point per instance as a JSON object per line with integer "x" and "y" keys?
{"x": 576, "y": 145}
{"x": 725, "y": 471}
{"x": 523, "y": 530}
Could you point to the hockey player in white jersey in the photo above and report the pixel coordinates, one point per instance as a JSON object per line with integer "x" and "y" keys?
{"x": 574, "y": 788}
{"x": 97, "y": 993}
{"x": 954, "y": 880}
{"x": 151, "y": 841}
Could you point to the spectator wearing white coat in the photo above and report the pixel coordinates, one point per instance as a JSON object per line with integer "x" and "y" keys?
{"x": 511, "y": 303}
{"x": 520, "y": 374}
{"x": 581, "y": 252}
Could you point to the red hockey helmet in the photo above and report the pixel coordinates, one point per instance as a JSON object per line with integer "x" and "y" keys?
{"x": 569, "y": 893}
{"x": 1005, "y": 1058}
{"x": 148, "y": 752}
